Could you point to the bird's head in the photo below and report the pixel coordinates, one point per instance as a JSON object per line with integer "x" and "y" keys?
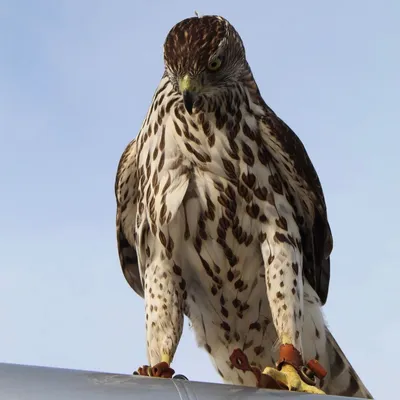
{"x": 203, "y": 55}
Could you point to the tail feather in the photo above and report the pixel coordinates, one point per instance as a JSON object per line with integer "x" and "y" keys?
{"x": 343, "y": 379}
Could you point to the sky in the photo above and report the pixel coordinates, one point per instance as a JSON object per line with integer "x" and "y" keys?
{"x": 76, "y": 80}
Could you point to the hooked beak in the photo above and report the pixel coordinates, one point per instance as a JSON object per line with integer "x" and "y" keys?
{"x": 188, "y": 100}
{"x": 190, "y": 90}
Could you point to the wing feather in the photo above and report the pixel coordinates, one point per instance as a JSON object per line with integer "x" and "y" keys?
{"x": 126, "y": 197}
{"x": 316, "y": 233}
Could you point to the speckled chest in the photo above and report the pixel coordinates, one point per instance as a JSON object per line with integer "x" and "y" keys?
{"x": 206, "y": 183}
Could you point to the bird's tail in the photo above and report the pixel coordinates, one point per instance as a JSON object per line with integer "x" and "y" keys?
{"x": 342, "y": 379}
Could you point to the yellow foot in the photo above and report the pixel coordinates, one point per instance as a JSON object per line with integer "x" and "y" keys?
{"x": 291, "y": 379}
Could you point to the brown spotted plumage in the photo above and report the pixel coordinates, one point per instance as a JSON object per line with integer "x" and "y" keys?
{"x": 221, "y": 217}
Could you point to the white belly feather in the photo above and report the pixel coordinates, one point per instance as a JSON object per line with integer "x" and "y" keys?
{"x": 185, "y": 197}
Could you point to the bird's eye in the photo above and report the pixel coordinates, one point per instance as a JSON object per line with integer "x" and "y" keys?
{"x": 215, "y": 64}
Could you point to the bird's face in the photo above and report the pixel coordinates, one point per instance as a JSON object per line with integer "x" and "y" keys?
{"x": 203, "y": 55}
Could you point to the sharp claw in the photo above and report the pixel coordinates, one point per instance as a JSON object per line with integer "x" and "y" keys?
{"x": 240, "y": 361}
{"x": 289, "y": 377}
{"x": 271, "y": 378}
{"x": 160, "y": 370}
{"x": 145, "y": 370}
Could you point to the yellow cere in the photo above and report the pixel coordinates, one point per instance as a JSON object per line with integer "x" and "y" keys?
{"x": 188, "y": 84}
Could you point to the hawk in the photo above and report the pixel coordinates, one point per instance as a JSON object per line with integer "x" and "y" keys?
{"x": 221, "y": 217}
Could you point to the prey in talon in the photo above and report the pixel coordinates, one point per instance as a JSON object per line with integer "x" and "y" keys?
{"x": 221, "y": 217}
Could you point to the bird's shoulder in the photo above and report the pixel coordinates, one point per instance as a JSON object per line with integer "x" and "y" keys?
{"x": 126, "y": 170}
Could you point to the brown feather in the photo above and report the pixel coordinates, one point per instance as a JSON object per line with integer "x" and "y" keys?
{"x": 316, "y": 234}
{"x": 126, "y": 250}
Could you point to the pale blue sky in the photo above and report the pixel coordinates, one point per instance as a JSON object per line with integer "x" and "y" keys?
{"x": 76, "y": 79}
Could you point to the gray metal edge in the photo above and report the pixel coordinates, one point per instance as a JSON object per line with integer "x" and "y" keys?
{"x": 33, "y": 382}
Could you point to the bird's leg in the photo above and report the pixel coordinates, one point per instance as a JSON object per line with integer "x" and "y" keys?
{"x": 283, "y": 260}
{"x": 164, "y": 296}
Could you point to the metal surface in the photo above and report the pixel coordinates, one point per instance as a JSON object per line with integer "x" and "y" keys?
{"x": 19, "y": 382}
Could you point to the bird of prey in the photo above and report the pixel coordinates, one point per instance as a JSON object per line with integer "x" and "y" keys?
{"x": 221, "y": 217}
